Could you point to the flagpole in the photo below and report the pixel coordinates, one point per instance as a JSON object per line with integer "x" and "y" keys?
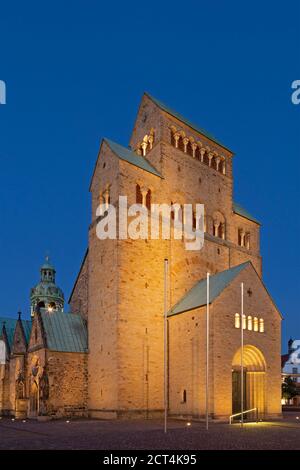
{"x": 165, "y": 346}
{"x": 207, "y": 348}
{"x": 242, "y": 353}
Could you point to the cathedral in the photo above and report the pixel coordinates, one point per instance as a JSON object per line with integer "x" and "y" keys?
{"x": 105, "y": 358}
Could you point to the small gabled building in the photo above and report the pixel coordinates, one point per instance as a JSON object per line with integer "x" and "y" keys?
{"x": 187, "y": 351}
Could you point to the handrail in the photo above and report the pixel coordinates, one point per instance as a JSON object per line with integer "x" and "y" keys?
{"x": 239, "y": 414}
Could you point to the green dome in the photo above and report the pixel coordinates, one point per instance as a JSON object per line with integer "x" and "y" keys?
{"x": 46, "y": 294}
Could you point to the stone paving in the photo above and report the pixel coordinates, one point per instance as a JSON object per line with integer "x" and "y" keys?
{"x": 114, "y": 435}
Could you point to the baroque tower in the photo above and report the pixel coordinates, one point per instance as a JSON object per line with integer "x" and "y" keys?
{"x": 46, "y": 294}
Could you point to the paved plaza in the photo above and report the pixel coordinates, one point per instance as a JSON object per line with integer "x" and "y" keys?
{"x": 98, "y": 434}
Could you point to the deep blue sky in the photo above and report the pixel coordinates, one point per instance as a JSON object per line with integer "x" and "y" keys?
{"x": 75, "y": 72}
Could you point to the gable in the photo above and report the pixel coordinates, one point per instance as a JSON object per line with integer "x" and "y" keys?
{"x": 239, "y": 210}
{"x": 19, "y": 344}
{"x": 125, "y": 154}
{"x": 185, "y": 121}
{"x": 37, "y": 337}
{"x": 197, "y": 296}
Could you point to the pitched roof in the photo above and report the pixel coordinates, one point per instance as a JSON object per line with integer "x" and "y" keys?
{"x": 10, "y": 326}
{"x": 132, "y": 157}
{"x": 196, "y": 297}
{"x": 27, "y": 324}
{"x": 77, "y": 277}
{"x": 238, "y": 209}
{"x": 64, "y": 332}
{"x": 185, "y": 121}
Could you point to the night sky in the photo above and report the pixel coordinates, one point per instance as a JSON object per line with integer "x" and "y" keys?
{"x": 75, "y": 72}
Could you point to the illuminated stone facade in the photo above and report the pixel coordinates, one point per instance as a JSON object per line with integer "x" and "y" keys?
{"x": 123, "y": 294}
{"x": 119, "y": 290}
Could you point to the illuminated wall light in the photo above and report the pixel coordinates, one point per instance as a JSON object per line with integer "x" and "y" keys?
{"x": 237, "y": 322}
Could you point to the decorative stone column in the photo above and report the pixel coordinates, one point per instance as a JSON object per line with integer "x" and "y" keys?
{"x": 216, "y": 227}
{"x": 144, "y": 146}
{"x": 218, "y": 159}
{"x": 194, "y": 148}
{"x": 210, "y": 156}
{"x": 144, "y": 192}
{"x": 176, "y": 138}
{"x": 202, "y": 153}
{"x": 185, "y": 144}
{"x": 242, "y": 235}
{"x": 223, "y": 166}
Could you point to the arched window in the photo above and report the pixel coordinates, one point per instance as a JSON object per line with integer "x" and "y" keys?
{"x": 239, "y": 237}
{"x": 183, "y": 396}
{"x": 206, "y": 159}
{"x": 52, "y": 306}
{"x": 249, "y": 323}
{"x": 237, "y": 322}
{"x": 41, "y": 304}
{"x": 213, "y": 163}
{"x": 139, "y": 196}
{"x": 197, "y": 153}
{"x": 244, "y": 322}
{"x": 189, "y": 149}
{"x": 148, "y": 200}
{"x": 181, "y": 144}
{"x": 255, "y": 324}
{"x": 261, "y": 325}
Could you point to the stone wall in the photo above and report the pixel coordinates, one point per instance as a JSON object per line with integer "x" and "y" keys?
{"x": 188, "y": 348}
{"x": 68, "y": 384}
{"x": 79, "y": 297}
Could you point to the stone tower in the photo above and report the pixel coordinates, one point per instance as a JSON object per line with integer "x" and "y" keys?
{"x": 46, "y": 294}
{"x": 169, "y": 160}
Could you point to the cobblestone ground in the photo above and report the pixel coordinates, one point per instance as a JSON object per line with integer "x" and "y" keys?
{"x": 112, "y": 435}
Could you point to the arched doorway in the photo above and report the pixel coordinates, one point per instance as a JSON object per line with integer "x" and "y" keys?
{"x": 254, "y": 366}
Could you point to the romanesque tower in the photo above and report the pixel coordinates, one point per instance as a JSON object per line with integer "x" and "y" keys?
{"x": 120, "y": 285}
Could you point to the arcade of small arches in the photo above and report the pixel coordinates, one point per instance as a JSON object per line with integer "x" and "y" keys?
{"x": 249, "y": 323}
{"x": 243, "y": 238}
{"x": 196, "y": 149}
{"x": 147, "y": 143}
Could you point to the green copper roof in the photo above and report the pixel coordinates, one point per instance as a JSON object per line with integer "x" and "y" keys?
{"x": 64, "y": 332}
{"x": 186, "y": 121}
{"x": 27, "y": 329}
{"x": 131, "y": 157}
{"x": 10, "y": 325}
{"x": 238, "y": 209}
{"x": 196, "y": 297}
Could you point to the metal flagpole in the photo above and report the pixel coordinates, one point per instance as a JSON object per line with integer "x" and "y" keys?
{"x": 207, "y": 348}
{"x": 165, "y": 344}
{"x": 242, "y": 353}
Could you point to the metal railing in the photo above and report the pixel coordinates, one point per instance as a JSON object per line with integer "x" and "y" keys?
{"x": 242, "y": 413}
